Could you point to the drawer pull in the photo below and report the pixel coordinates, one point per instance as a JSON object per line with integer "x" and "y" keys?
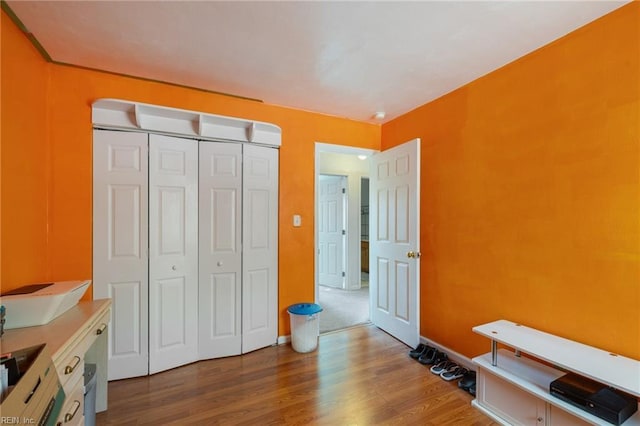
{"x": 101, "y": 329}
{"x": 69, "y": 416}
{"x": 69, "y": 368}
{"x": 33, "y": 391}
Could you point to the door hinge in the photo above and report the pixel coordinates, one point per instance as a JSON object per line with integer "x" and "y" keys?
{"x": 344, "y": 190}
{"x": 344, "y": 232}
{"x": 343, "y": 274}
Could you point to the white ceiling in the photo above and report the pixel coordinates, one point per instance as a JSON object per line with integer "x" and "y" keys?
{"x": 347, "y": 59}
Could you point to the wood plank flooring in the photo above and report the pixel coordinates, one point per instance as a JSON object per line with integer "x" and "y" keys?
{"x": 359, "y": 376}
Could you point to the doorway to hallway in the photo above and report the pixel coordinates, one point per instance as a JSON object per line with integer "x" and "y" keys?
{"x": 345, "y": 302}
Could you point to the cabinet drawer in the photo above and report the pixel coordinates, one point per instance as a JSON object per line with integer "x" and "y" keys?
{"x": 72, "y": 413}
{"x": 71, "y": 363}
{"x": 96, "y": 328}
{"x": 71, "y": 370}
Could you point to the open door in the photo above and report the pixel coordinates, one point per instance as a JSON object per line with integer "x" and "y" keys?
{"x": 331, "y": 230}
{"x": 394, "y": 262}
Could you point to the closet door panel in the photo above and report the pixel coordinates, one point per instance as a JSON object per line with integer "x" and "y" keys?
{"x": 173, "y": 252}
{"x": 120, "y": 240}
{"x": 260, "y": 248}
{"x": 257, "y": 291}
{"x": 220, "y": 188}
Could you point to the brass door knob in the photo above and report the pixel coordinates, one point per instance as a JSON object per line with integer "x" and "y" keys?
{"x": 413, "y": 254}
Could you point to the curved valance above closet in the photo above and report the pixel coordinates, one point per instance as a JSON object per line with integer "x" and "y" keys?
{"x": 122, "y": 114}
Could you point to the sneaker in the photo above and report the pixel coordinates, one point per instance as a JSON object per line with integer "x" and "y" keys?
{"x": 418, "y": 351}
{"x": 454, "y": 373}
{"x": 432, "y": 356}
{"x": 468, "y": 380}
{"x": 442, "y": 366}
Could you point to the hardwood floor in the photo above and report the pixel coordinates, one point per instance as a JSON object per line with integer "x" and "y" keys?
{"x": 359, "y": 376}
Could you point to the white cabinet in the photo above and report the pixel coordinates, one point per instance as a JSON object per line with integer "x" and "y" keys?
{"x": 75, "y": 337}
{"x": 510, "y": 402}
{"x": 514, "y": 389}
{"x": 558, "y": 416}
{"x": 186, "y": 246}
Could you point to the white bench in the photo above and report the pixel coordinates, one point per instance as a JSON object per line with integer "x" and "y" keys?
{"x": 512, "y": 389}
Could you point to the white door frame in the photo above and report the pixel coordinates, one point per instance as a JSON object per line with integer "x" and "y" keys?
{"x": 339, "y": 149}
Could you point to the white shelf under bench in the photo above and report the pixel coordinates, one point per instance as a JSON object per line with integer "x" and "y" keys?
{"x": 515, "y": 390}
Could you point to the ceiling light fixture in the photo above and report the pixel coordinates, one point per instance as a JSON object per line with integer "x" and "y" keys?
{"x": 362, "y": 157}
{"x": 379, "y": 115}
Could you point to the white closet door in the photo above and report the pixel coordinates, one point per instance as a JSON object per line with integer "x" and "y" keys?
{"x": 173, "y": 252}
{"x": 260, "y": 247}
{"x": 220, "y": 286}
{"x": 120, "y": 241}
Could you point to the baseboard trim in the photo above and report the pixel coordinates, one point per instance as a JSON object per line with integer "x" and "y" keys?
{"x": 283, "y": 339}
{"x": 453, "y": 355}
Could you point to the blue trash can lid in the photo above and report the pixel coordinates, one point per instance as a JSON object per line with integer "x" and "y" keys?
{"x": 304, "y": 309}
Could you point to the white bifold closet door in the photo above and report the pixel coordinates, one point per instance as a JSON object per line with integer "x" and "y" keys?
{"x": 185, "y": 241}
{"x": 120, "y": 240}
{"x": 238, "y": 248}
{"x": 145, "y": 243}
{"x": 173, "y": 252}
{"x": 259, "y": 247}
{"x": 220, "y": 271}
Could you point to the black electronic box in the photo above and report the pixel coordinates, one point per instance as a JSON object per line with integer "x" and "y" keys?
{"x": 595, "y": 398}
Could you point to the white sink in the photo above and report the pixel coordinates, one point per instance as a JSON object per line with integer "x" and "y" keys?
{"x": 38, "y": 304}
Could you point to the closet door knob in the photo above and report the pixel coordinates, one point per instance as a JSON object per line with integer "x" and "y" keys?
{"x": 174, "y": 267}
{"x": 219, "y": 263}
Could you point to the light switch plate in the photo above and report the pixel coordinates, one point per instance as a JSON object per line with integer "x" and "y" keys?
{"x": 297, "y": 220}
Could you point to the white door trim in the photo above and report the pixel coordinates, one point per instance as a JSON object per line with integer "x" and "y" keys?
{"x": 321, "y": 147}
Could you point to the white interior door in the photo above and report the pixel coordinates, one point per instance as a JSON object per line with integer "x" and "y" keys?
{"x": 331, "y": 230}
{"x": 173, "y": 257}
{"x": 220, "y": 268}
{"x": 260, "y": 247}
{"x": 120, "y": 240}
{"x": 394, "y": 271}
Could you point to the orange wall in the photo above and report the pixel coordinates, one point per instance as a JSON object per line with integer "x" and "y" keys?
{"x": 530, "y": 194}
{"x": 68, "y": 108}
{"x": 24, "y": 167}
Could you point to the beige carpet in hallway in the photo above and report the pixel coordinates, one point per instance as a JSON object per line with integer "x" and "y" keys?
{"x": 343, "y": 308}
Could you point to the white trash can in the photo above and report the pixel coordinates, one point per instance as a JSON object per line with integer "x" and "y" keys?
{"x": 305, "y": 326}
